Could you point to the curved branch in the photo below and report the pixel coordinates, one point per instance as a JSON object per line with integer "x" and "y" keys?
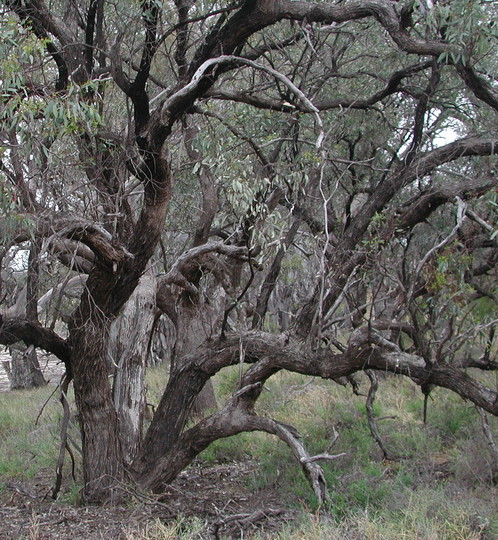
{"x": 54, "y": 229}
{"x": 280, "y": 353}
{"x": 384, "y": 12}
{"x": 192, "y": 258}
{"x": 392, "y": 86}
{"x": 479, "y": 86}
{"x": 419, "y": 208}
{"x": 33, "y": 333}
{"x": 190, "y": 91}
{"x": 422, "y": 165}
{"x": 443, "y": 375}
{"x": 236, "y": 417}
{"x": 96, "y": 238}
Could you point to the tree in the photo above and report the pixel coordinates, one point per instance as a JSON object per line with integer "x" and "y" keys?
{"x": 290, "y": 183}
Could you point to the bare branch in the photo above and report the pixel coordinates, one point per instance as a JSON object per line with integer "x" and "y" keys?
{"x": 191, "y": 89}
{"x": 33, "y": 333}
{"x": 193, "y": 258}
{"x": 460, "y": 217}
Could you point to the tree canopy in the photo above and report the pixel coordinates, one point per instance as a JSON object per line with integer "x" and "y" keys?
{"x": 284, "y": 185}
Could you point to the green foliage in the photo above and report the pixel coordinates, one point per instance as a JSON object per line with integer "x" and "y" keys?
{"x": 447, "y": 273}
{"x": 12, "y": 221}
{"x": 467, "y": 26}
{"x": 36, "y": 117}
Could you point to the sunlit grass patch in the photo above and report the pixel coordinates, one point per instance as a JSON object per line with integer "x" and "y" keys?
{"x": 428, "y": 515}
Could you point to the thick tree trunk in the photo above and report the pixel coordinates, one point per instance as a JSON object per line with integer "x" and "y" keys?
{"x": 170, "y": 418}
{"x": 109, "y": 286}
{"x": 103, "y": 466}
{"x": 128, "y": 344}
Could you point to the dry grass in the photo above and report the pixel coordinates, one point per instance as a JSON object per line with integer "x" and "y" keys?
{"x": 440, "y": 488}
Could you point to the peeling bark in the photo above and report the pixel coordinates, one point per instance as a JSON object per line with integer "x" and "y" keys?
{"x": 127, "y": 356}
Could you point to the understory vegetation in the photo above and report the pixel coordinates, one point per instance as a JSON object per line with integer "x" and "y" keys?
{"x": 438, "y": 487}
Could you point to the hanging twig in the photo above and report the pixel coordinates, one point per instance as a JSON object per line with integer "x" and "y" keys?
{"x": 40, "y": 412}
{"x": 63, "y": 445}
{"x": 236, "y": 302}
{"x": 372, "y": 423}
{"x": 491, "y": 443}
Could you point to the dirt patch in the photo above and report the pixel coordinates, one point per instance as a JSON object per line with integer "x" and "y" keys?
{"x": 216, "y": 495}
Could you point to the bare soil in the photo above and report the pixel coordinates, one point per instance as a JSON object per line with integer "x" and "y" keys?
{"x": 216, "y": 494}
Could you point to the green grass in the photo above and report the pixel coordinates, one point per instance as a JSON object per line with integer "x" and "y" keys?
{"x": 28, "y": 432}
{"x": 417, "y": 521}
{"x": 439, "y": 488}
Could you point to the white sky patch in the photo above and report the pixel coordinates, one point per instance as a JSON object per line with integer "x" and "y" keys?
{"x": 447, "y": 135}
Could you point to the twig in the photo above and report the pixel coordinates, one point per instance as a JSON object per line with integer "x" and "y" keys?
{"x": 491, "y": 443}
{"x": 372, "y": 424}
{"x": 63, "y": 445}
{"x": 40, "y": 412}
{"x": 334, "y": 440}
{"x": 319, "y": 457}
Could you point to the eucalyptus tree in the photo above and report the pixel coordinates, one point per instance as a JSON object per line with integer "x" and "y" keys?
{"x": 288, "y": 183}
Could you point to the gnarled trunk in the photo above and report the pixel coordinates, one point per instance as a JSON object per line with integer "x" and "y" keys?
{"x": 103, "y": 465}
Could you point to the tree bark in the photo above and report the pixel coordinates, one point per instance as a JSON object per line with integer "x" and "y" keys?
{"x": 25, "y": 369}
{"x": 196, "y": 324}
{"x": 127, "y": 353}
{"x": 103, "y": 464}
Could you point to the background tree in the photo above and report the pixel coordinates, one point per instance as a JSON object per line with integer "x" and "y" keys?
{"x": 301, "y": 186}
